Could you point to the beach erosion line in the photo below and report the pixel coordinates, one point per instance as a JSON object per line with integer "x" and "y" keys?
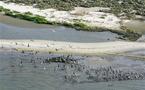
{"x": 113, "y": 47}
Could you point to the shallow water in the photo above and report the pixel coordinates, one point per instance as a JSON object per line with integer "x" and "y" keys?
{"x": 45, "y": 76}
{"x": 54, "y": 33}
{"x": 136, "y": 25}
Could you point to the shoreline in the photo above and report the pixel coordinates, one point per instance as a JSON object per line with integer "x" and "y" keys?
{"x": 100, "y": 48}
{"x": 91, "y": 21}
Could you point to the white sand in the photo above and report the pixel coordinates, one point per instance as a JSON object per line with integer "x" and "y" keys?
{"x": 89, "y": 16}
{"x": 73, "y": 48}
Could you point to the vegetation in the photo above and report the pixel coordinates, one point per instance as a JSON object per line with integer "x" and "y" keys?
{"x": 126, "y": 34}
{"x": 26, "y": 16}
{"x": 128, "y": 8}
{"x": 1, "y": 8}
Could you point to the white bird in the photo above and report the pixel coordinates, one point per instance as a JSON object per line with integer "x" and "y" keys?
{"x": 53, "y": 30}
{"x": 44, "y": 68}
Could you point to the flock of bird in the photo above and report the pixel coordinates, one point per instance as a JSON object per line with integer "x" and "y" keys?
{"x": 75, "y": 72}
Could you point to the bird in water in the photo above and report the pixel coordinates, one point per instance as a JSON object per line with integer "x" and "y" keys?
{"x": 44, "y": 68}
{"x": 21, "y": 63}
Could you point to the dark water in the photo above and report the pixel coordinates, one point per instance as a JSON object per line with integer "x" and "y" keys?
{"x": 19, "y": 72}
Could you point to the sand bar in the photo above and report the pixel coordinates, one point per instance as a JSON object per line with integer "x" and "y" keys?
{"x": 73, "y": 48}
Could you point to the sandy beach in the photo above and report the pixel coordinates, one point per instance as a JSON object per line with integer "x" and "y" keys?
{"x": 73, "y": 48}
{"x": 88, "y": 16}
